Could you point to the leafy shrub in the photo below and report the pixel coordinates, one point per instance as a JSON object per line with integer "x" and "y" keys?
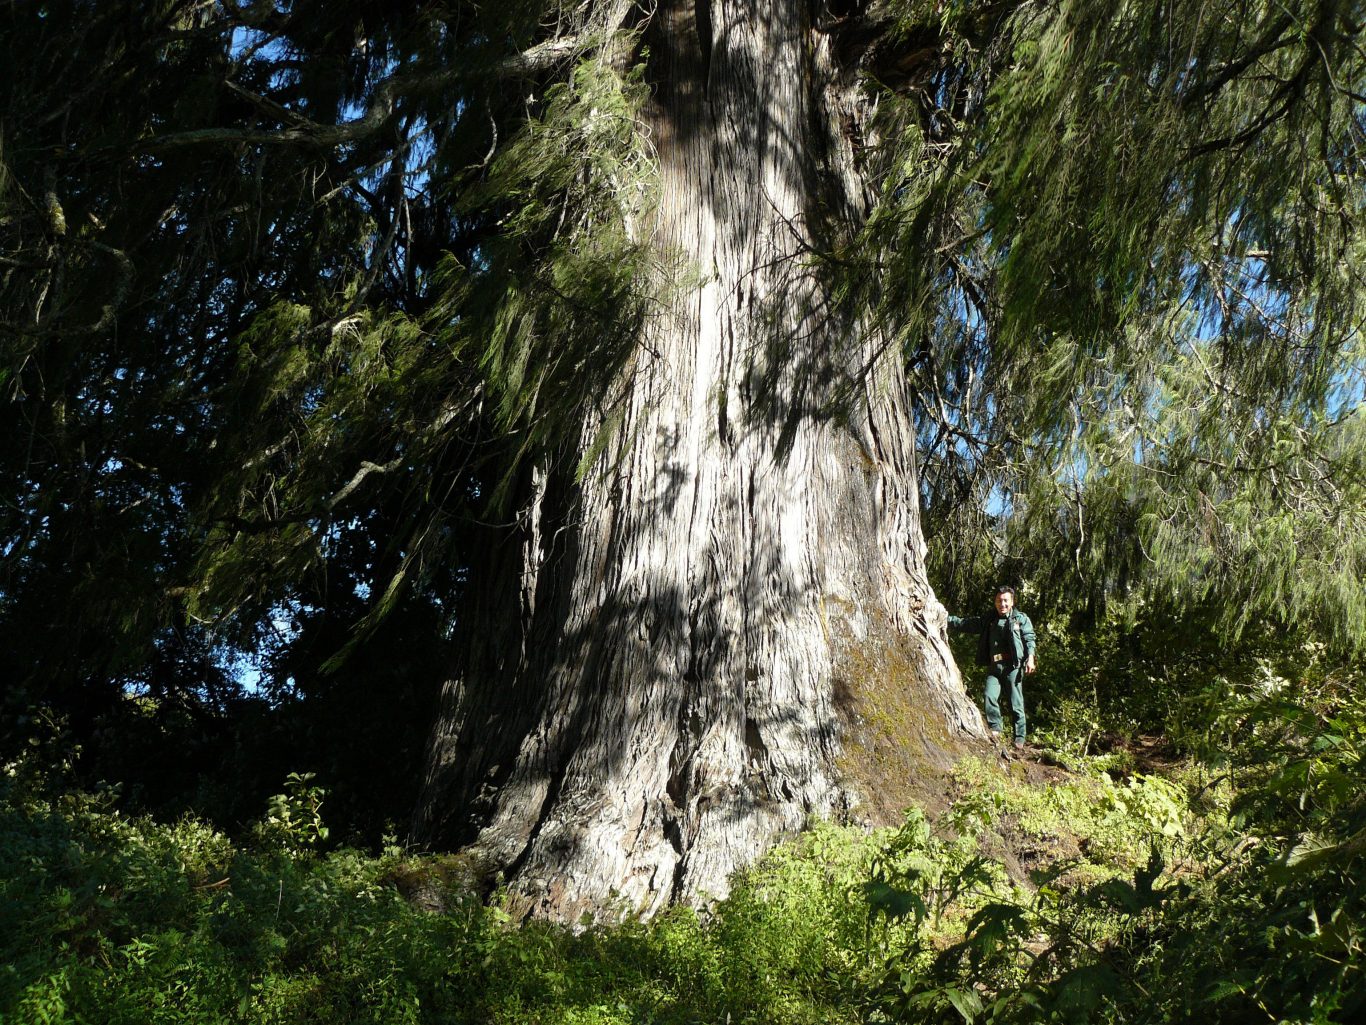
{"x": 1221, "y": 895}
{"x": 1257, "y": 916}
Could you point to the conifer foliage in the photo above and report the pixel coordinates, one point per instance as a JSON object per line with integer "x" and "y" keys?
{"x": 1145, "y": 329}
{"x": 291, "y": 292}
{"x": 286, "y": 291}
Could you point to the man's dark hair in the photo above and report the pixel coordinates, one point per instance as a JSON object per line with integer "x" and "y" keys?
{"x": 1006, "y": 589}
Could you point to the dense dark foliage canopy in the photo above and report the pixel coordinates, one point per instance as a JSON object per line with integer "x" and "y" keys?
{"x": 290, "y": 290}
{"x": 1141, "y": 347}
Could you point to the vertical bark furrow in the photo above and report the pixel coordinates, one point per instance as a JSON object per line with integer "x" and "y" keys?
{"x": 742, "y": 579}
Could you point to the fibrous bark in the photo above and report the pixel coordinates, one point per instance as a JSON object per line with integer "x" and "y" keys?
{"x": 677, "y": 658}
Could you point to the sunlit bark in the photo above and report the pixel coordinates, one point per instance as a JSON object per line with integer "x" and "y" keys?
{"x": 706, "y": 623}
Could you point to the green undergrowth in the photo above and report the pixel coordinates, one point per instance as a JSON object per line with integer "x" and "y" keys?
{"x": 1077, "y": 896}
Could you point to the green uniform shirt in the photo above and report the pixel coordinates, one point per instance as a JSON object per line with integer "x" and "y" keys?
{"x": 1010, "y": 637}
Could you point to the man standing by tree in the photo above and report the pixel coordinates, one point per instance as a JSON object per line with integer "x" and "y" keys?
{"x": 1006, "y": 648}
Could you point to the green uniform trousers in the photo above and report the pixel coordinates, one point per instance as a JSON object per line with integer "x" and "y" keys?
{"x": 1011, "y": 679}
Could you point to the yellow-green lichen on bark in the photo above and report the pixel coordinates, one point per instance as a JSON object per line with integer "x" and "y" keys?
{"x": 898, "y": 749}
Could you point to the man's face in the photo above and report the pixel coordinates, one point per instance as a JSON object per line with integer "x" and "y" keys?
{"x": 1005, "y": 601}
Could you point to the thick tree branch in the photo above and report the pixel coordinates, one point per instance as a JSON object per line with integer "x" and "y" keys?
{"x": 383, "y": 105}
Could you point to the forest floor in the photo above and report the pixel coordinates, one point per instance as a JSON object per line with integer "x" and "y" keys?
{"x": 1047, "y": 885}
{"x": 1034, "y": 845}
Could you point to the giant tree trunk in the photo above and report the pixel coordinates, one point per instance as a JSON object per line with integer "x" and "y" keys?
{"x": 725, "y": 628}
